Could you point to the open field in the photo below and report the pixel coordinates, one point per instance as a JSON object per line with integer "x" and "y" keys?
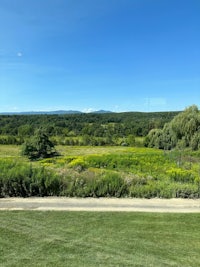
{"x": 38, "y": 238}
{"x": 14, "y": 150}
{"x": 9, "y": 151}
{"x": 83, "y": 171}
{"x": 91, "y": 150}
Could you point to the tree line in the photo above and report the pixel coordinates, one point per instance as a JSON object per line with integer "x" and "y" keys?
{"x": 95, "y": 129}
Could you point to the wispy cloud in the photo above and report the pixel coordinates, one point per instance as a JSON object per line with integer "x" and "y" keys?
{"x": 88, "y": 110}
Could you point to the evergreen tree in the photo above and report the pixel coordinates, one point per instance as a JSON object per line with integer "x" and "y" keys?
{"x": 39, "y": 146}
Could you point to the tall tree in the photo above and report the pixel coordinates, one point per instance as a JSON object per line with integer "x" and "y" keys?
{"x": 183, "y": 131}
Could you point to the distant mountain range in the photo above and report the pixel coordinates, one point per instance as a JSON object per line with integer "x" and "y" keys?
{"x": 59, "y": 112}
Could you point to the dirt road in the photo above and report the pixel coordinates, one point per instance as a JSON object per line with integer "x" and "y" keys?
{"x": 101, "y": 204}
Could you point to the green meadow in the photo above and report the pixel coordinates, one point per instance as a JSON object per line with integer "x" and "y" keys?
{"x": 87, "y": 171}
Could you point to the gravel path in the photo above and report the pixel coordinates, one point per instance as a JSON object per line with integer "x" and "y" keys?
{"x": 101, "y": 204}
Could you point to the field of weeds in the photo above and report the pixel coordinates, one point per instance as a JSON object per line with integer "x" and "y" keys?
{"x": 100, "y": 172}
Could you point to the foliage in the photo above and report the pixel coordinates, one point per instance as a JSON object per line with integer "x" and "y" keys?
{"x": 19, "y": 179}
{"x": 182, "y": 132}
{"x": 39, "y": 146}
{"x": 130, "y": 172}
{"x": 83, "y": 129}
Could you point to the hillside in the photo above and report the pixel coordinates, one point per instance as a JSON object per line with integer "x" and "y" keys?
{"x": 109, "y": 126}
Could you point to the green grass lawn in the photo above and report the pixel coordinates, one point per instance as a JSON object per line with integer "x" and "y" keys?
{"x": 32, "y": 238}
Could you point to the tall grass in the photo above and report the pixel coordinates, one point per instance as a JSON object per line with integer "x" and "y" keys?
{"x": 136, "y": 172}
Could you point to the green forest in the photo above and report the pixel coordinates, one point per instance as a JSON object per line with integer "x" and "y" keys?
{"x": 83, "y": 129}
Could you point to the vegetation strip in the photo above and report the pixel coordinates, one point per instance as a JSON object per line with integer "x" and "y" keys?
{"x": 136, "y": 172}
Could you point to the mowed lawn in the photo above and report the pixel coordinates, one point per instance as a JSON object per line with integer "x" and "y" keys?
{"x": 56, "y": 238}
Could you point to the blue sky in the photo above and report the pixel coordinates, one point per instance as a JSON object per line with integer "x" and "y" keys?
{"x": 119, "y": 55}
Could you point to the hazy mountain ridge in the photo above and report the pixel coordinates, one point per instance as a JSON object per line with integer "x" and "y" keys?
{"x": 59, "y": 112}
